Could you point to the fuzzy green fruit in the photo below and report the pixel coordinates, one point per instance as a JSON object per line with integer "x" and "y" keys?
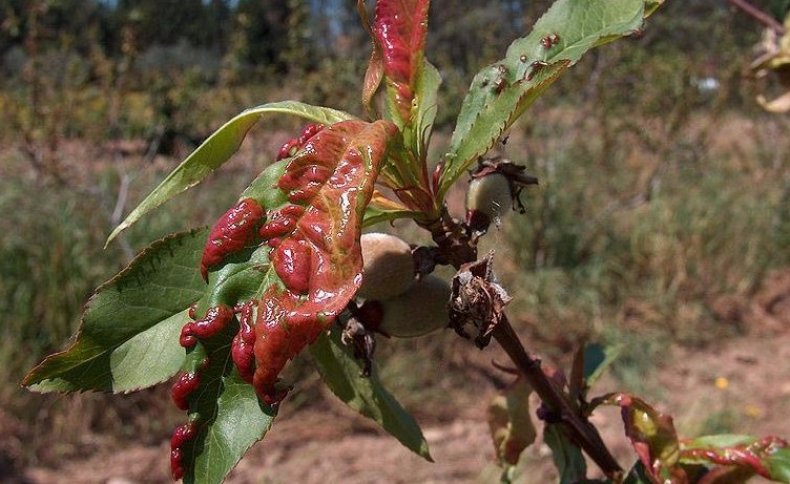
{"x": 388, "y": 266}
{"x": 489, "y": 197}
{"x": 419, "y": 311}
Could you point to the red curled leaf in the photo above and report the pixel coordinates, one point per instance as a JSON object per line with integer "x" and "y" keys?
{"x": 234, "y": 230}
{"x": 652, "y": 435}
{"x": 315, "y": 242}
{"x": 399, "y": 28}
{"x": 768, "y": 457}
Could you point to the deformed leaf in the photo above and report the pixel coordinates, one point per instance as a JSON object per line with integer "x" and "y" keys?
{"x": 501, "y": 92}
{"x": 127, "y": 339}
{"x": 217, "y": 149}
{"x": 652, "y": 435}
{"x": 342, "y": 374}
{"x": 510, "y": 423}
{"x": 316, "y": 256}
{"x": 768, "y": 457}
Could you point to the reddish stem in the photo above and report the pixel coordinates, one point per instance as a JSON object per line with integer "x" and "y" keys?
{"x": 759, "y": 15}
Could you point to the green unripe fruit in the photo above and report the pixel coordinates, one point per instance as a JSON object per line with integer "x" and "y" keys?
{"x": 489, "y": 195}
{"x": 422, "y": 309}
{"x": 388, "y": 266}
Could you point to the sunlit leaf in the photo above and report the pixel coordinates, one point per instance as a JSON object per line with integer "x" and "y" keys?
{"x": 342, "y": 374}
{"x": 217, "y": 149}
{"x": 382, "y": 209}
{"x": 501, "y": 92}
{"x": 509, "y": 422}
{"x": 652, "y": 435}
{"x": 128, "y": 338}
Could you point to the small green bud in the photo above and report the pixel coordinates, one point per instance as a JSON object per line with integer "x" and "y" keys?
{"x": 487, "y": 199}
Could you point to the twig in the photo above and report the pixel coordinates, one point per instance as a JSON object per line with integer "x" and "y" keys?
{"x": 458, "y": 249}
{"x": 759, "y": 15}
{"x": 581, "y": 430}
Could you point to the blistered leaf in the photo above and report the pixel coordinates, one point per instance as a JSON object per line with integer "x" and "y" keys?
{"x": 768, "y": 457}
{"x": 225, "y": 411}
{"x": 342, "y": 374}
{"x": 304, "y": 270}
{"x": 217, "y": 149}
{"x": 510, "y": 423}
{"x": 501, "y": 92}
{"x": 128, "y": 338}
{"x": 316, "y": 257}
{"x": 568, "y": 457}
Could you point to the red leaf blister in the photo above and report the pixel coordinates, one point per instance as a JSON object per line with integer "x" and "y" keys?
{"x": 235, "y": 229}
{"x": 315, "y": 243}
{"x": 400, "y": 28}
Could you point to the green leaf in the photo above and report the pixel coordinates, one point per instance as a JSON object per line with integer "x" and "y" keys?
{"x": 341, "y": 373}
{"x": 129, "y": 331}
{"x": 597, "y": 358}
{"x": 217, "y": 149}
{"x": 510, "y": 423}
{"x": 425, "y": 107}
{"x": 501, "y": 92}
{"x": 234, "y": 420}
{"x": 778, "y": 465}
{"x": 568, "y": 458}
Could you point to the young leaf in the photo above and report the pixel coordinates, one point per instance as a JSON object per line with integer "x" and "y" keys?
{"x": 568, "y": 457}
{"x": 501, "y": 92}
{"x": 399, "y": 28}
{"x": 510, "y": 423}
{"x": 341, "y": 373}
{"x": 129, "y": 332}
{"x": 652, "y": 434}
{"x": 382, "y": 209}
{"x": 217, "y": 149}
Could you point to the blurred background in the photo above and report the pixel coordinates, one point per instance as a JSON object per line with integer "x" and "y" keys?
{"x": 662, "y": 222}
